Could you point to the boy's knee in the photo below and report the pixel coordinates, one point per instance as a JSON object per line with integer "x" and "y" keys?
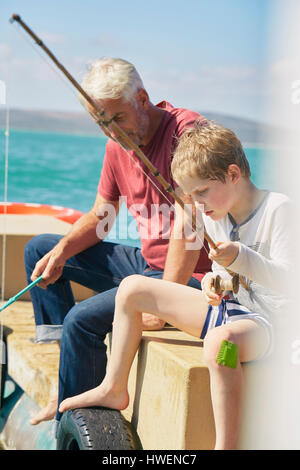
{"x": 129, "y": 288}
{"x": 212, "y": 344}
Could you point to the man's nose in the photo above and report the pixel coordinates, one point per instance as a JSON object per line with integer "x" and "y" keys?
{"x": 113, "y": 135}
{"x": 109, "y": 132}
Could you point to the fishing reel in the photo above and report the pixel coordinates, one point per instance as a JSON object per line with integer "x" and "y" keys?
{"x": 220, "y": 285}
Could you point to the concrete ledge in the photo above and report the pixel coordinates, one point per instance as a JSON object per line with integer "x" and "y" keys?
{"x": 170, "y": 402}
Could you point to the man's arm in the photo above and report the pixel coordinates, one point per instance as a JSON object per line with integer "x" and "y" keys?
{"x": 180, "y": 262}
{"x": 184, "y": 247}
{"x": 82, "y": 235}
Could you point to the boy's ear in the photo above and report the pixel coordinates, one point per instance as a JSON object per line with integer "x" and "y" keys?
{"x": 234, "y": 173}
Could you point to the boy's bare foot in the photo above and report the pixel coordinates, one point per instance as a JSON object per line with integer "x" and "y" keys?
{"x": 98, "y": 396}
{"x": 47, "y": 413}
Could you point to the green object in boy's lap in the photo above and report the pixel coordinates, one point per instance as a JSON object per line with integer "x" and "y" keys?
{"x": 228, "y": 354}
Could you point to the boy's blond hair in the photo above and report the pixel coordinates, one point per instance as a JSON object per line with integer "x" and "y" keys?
{"x": 206, "y": 150}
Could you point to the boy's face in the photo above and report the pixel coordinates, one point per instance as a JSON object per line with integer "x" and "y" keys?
{"x": 216, "y": 197}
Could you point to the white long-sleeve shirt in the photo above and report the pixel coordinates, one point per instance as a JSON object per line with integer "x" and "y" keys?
{"x": 265, "y": 254}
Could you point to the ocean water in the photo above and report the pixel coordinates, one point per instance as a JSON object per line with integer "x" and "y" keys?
{"x": 64, "y": 169}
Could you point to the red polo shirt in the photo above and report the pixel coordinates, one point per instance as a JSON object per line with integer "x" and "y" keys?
{"x": 123, "y": 176}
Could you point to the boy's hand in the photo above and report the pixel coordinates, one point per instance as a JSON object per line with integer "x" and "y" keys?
{"x": 208, "y": 290}
{"x": 225, "y": 253}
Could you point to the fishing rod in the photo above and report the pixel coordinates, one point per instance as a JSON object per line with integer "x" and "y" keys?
{"x": 22, "y": 292}
{"x": 105, "y": 121}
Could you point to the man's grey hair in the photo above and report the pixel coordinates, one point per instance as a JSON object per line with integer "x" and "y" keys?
{"x": 112, "y": 78}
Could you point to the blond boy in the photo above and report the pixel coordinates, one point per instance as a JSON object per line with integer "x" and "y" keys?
{"x": 249, "y": 227}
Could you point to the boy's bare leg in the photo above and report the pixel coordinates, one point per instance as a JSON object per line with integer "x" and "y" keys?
{"x": 47, "y": 413}
{"x": 179, "y": 305}
{"x": 227, "y": 383}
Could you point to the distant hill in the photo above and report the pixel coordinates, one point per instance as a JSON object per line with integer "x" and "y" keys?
{"x": 51, "y": 121}
{"x": 248, "y": 131}
{"x": 81, "y": 123}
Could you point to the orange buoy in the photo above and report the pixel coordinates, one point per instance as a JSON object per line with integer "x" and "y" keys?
{"x": 23, "y": 208}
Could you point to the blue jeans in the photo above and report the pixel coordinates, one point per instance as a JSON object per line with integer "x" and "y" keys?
{"x": 82, "y": 327}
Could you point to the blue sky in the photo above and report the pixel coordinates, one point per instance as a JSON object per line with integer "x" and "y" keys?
{"x": 204, "y": 55}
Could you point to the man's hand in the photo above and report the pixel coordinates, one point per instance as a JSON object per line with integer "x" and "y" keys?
{"x": 225, "y": 253}
{"x": 50, "y": 266}
{"x": 151, "y": 322}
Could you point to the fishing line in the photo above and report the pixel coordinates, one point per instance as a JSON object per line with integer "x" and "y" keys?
{"x": 4, "y": 217}
{"x": 137, "y": 164}
{"x": 20, "y": 31}
{"x": 104, "y": 120}
{"x": 6, "y": 152}
{"x": 190, "y": 225}
{"x": 67, "y": 83}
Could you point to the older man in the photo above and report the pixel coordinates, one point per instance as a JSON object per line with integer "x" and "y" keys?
{"x": 82, "y": 255}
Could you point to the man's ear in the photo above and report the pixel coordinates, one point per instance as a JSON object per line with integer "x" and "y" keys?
{"x": 143, "y": 98}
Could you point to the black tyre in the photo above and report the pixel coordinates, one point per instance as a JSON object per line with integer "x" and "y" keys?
{"x": 3, "y": 377}
{"x": 3, "y": 363}
{"x": 96, "y": 429}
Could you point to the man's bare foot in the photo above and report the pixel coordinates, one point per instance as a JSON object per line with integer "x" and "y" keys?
{"x": 98, "y": 396}
{"x": 47, "y": 413}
